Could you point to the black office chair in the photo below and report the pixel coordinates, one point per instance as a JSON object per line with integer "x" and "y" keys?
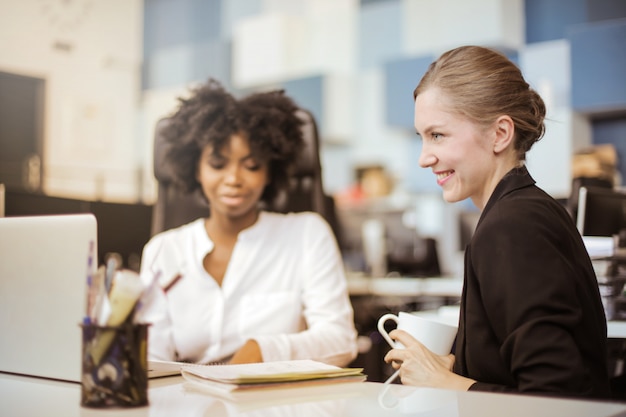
{"x": 306, "y": 192}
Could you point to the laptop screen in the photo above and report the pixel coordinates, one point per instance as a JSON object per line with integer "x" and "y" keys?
{"x": 44, "y": 265}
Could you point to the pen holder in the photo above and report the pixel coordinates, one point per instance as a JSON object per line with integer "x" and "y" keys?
{"x": 114, "y": 366}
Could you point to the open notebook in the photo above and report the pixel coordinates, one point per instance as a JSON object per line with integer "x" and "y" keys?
{"x": 157, "y": 369}
{"x": 230, "y": 381}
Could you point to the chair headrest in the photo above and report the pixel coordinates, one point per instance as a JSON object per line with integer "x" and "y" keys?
{"x": 308, "y": 161}
{"x": 162, "y": 171}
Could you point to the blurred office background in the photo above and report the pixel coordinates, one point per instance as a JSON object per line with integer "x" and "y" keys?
{"x": 83, "y": 83}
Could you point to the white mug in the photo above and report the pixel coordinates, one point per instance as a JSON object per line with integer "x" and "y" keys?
{"x": 438, "y": 337}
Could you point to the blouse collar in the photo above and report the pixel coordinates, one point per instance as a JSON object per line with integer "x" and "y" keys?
{"x": 204, "y": 245}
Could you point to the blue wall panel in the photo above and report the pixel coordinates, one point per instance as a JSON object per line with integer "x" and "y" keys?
{"x": 184, "y": 64}
{"x": 380, "y": 33}
{"x": 308, "y": 94}
{"x": 165, "y": 25}
{"x": 212, "y": 59}
{"x": 235, "y": 10}
{"x": 171, "y": 23}
{"x": 598, "y": 54}
{"x": 182, "y": 43}
{"x": 401, "y": 78}
{"x": 548, "y": 20}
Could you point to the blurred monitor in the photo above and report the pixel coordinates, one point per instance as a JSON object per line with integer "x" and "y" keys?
{"x": 601, "y": 211}
{"x": 572, "y": 201}
{"x": 408, "y": 253}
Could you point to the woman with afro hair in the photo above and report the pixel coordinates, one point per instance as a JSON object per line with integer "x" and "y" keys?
{"x": 244, "y": 284}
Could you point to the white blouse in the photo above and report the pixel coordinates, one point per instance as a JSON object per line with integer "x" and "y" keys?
{"x": 284, "y": 287}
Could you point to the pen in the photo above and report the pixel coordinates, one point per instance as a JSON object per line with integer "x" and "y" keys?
{"x": 172, "y": 283}
{"x": 99, "y": 294}
{"x": 91, "y": 291}
{"x": 111, "y": 267}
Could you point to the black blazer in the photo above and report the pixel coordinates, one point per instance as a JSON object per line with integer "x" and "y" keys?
{"x": 531, "y": 318}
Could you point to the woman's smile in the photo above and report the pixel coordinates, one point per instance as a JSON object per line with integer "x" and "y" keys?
{"x": 443, "y": 177}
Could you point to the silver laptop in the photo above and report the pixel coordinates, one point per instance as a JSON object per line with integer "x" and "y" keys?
{"x": 44, "y": 264}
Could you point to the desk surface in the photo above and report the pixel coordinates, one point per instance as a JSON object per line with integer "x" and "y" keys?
{"x": 404, "y": 286}
{"x": 25, "y": 397}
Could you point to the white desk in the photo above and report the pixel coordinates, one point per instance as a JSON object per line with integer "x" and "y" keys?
{"x": 402, "y": 286}
{"x": 616, "y": 329}
{"x": 26, "y": 397}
